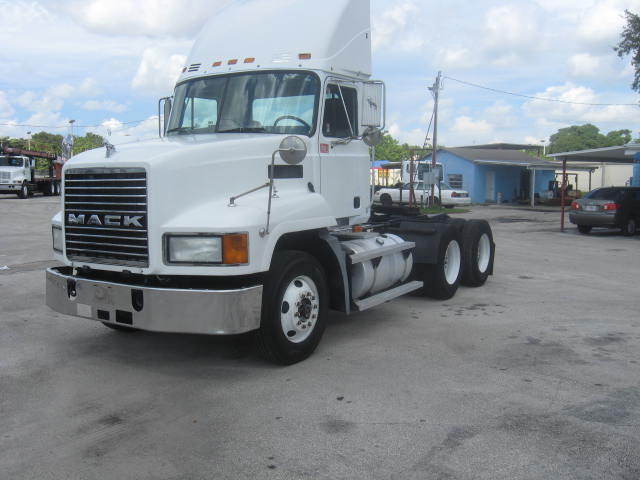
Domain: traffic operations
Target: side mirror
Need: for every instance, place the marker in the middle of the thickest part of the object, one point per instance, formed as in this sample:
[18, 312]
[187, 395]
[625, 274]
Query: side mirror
[373, 108]
[293, 150]
[372, 136]
[166, 112]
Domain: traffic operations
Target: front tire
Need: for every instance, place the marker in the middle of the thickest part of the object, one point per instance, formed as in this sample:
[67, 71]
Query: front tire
[24, 191]
[294, 308]
[441, 281]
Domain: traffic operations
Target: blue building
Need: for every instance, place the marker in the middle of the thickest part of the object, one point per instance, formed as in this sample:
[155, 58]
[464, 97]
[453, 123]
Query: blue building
[489, 174]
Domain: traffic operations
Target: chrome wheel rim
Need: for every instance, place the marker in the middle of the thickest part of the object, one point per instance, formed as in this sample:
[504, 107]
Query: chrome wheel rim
[484, 253]
[299, 309]
[452, 262]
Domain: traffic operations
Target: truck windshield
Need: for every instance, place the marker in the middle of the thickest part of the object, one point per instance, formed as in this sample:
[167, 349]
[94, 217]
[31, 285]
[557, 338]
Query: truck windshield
[11, 162]
[265, 102]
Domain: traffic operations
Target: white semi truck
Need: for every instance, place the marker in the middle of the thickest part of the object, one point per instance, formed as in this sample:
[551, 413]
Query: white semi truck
[253, 211]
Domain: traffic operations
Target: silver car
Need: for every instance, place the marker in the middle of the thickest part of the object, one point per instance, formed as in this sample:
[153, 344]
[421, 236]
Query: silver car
[609, 207]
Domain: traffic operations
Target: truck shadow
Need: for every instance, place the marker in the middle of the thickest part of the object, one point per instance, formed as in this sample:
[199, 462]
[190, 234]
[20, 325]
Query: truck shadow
[202, 354]
[172, 352]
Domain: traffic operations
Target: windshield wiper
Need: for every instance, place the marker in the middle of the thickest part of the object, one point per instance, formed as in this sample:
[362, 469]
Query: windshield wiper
[180, 130]
[244, 130]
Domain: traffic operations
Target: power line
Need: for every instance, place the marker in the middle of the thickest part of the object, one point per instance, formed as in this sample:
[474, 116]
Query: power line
[545, 99]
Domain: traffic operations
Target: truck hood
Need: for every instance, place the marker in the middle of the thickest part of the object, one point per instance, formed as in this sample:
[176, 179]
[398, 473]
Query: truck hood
[191, 179]
[223, 147]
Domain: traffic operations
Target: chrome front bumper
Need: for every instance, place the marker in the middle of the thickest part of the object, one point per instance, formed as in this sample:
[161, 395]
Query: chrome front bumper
[209, 312]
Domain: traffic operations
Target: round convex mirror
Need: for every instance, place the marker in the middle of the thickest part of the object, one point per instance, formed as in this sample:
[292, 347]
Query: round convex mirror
[293, 150]
[372, 136]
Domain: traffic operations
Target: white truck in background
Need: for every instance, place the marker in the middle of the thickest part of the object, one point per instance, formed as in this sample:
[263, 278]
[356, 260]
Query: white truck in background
[253, 211]
[20, 173]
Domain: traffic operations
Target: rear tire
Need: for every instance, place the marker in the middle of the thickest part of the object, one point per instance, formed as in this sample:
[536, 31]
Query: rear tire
[120, 328]
[630, 227]
[441, 281]
[584, 229]
[386, 201]
[294, 308]
[478, 253]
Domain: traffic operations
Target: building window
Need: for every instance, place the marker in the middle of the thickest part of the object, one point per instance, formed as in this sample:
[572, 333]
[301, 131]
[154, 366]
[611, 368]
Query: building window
[455, 180]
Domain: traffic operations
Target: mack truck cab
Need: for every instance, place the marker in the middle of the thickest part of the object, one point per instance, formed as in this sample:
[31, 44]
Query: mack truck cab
[252, 211]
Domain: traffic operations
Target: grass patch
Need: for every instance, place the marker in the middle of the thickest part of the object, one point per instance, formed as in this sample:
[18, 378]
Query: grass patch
[448, 211]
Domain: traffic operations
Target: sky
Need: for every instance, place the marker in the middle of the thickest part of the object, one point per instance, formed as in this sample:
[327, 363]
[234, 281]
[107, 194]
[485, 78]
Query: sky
[105, 63]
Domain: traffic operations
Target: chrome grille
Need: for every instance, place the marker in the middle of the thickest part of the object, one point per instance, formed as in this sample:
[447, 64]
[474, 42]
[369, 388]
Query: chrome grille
[106, 216]
[5, 176]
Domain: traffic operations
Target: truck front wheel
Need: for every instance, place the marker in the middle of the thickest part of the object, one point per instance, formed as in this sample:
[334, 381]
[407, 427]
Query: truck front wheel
[24, 191]
[294, 308]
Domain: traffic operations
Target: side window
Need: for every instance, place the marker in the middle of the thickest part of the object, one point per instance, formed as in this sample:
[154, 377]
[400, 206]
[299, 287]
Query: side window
[336, 123]
[455, 180]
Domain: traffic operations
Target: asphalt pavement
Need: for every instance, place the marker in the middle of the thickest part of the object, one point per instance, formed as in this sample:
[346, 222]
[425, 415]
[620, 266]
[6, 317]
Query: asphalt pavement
[534, 376]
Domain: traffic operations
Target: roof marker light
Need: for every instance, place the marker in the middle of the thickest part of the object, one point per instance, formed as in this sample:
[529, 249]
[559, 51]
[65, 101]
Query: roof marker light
[232, 62]
[216, 64]
[304, 56]
[249, 60]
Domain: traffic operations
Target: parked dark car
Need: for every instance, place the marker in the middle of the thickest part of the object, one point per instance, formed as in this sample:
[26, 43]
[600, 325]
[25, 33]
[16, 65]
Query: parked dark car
[609, 207]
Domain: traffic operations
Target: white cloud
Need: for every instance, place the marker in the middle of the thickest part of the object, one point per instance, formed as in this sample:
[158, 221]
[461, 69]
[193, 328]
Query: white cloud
[46, 102]
[104, 105]
[158, 71]
[469, 125]
[584, 65]
[458, 58]
[145, 17]
[6, 110]
[602, 24]
[552, 114]
[118, 133]
[512, 29]
[391, 27]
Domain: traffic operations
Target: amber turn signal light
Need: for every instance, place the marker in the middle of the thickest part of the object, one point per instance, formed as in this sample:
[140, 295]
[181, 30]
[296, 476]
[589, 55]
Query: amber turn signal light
[235, 249]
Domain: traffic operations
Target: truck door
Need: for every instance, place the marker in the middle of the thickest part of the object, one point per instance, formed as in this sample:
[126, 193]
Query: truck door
[345, 165]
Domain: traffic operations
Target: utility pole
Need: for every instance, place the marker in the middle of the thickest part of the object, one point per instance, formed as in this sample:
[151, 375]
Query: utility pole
[29, 140]
[435, 90]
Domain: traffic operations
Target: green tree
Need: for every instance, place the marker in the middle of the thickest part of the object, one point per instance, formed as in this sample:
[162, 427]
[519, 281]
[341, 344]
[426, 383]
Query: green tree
[391, 150]
[585, 137]
[630, 45]
[88, 142]
[618, 137]
[52, 143]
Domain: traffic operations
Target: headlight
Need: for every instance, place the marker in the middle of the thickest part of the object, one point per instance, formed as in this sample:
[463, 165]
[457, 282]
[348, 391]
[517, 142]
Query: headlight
[194, 249]
[56, 232]
[204, 249]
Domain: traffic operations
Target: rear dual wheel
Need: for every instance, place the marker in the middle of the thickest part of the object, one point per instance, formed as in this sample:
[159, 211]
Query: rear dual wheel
[441, 280]
[478, 252]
